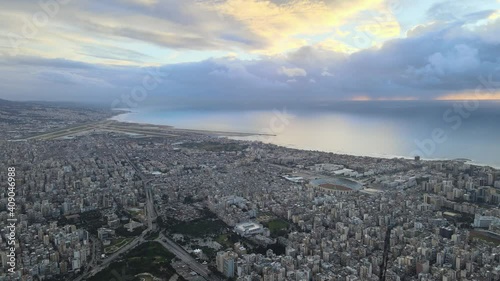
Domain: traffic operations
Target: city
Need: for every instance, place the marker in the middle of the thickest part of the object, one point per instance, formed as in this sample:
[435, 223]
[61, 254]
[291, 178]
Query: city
[250, 140]
[210, 208]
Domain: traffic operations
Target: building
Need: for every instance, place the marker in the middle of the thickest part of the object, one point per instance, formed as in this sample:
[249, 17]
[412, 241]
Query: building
[248, 229]
[226, 262]
[485, 221]
[105, 233]
[294, 179]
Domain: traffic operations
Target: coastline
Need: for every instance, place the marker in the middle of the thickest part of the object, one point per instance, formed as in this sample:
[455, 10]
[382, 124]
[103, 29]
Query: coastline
[174, 128]
[241, 136]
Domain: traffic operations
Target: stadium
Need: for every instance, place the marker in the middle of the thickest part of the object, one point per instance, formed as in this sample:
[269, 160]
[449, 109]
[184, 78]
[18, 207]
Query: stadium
[340, 185]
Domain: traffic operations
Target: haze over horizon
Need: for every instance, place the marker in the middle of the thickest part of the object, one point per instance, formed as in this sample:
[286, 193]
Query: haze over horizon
[235, 52]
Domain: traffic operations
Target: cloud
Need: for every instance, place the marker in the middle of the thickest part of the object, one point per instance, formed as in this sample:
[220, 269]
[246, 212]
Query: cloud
[435, 60]
[325, 72]
[476, 95]
[132, 25]
[279, 24]
[293, 71]
[460, 10]
[381, 23]
[460, 59]
[336, 46]
[73, 78]
[256, 26]
[143, 2]
[422, 29]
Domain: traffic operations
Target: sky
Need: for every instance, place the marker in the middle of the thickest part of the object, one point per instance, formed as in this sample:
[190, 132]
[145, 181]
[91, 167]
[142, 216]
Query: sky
[226, 52]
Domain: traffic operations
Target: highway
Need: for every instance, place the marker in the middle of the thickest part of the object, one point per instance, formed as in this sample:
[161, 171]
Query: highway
[107, 261]
[179, 252]
[151, 216]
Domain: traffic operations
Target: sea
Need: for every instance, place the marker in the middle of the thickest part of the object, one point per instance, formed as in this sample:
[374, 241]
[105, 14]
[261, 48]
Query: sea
[434, 130]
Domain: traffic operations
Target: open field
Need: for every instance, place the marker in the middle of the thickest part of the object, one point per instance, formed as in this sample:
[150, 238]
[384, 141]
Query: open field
[199, 228]
[485, 236]
[64, 132]
[278, 227]
[116, 245]
[334, 187]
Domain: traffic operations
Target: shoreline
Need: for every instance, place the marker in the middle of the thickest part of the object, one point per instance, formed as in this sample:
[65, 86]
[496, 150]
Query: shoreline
[216, 132]
[381, 156]
[234, 135]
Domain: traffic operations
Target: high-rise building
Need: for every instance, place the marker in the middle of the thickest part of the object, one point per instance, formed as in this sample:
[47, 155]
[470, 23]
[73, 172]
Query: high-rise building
[491, 179]
[226, 262]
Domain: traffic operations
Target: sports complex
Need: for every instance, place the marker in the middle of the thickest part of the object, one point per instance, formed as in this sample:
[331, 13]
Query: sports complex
[341, 185]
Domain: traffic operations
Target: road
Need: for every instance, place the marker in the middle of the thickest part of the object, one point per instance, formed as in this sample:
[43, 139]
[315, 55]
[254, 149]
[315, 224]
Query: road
[151, 216]
[93, 259]
[179, 252]
[150, 209]
[107, 261]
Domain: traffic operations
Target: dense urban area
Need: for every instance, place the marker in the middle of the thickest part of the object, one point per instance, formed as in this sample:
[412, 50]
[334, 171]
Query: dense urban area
[103, 200]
